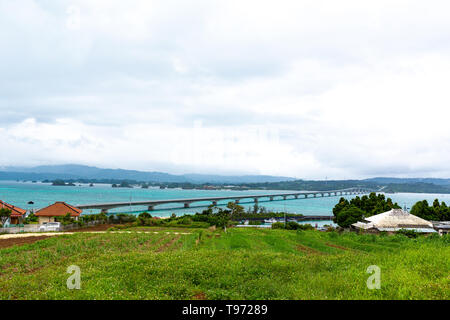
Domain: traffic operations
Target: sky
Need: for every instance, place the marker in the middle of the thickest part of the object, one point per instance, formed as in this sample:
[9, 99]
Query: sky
[307, 89]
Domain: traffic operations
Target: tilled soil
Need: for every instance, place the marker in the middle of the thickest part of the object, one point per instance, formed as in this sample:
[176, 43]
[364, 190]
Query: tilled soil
[5, 243]
[100, 227]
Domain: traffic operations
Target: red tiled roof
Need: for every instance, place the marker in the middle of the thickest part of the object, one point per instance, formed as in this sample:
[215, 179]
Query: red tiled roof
[15, 211]
[59, 209]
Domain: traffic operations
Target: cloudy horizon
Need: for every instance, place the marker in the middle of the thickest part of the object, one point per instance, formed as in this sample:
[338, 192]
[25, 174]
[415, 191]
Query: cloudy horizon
[305, 89]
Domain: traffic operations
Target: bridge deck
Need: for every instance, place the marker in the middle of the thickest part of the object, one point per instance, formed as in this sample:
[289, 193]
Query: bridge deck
[187, 201]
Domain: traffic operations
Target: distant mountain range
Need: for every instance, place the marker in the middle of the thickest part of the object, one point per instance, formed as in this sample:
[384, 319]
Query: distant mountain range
[74, 172]
[80, 173]
[382, 180]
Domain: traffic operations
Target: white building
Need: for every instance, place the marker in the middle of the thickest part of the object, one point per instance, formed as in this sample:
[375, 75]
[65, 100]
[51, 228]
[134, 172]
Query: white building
[394, 220]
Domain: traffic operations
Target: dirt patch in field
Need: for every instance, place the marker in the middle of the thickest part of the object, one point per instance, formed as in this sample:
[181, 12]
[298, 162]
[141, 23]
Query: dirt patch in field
[307, 250]
[5, 243]
[152, 245]
[100, 227]
[335, 246]
[168, 244]
[200, 296]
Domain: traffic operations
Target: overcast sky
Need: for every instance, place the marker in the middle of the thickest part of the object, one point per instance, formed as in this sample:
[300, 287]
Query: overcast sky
[309, 89]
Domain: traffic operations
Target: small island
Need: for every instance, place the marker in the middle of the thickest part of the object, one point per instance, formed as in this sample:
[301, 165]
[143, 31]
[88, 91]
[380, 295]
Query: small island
[123, 184]
[62, 183]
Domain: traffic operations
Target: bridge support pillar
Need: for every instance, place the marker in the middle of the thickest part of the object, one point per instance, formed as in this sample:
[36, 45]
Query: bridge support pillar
[315, 195]
[284, 197]
[105, 211]
[151, 208]
[271, 198]
[186, 204]
[236, 201]
[256, 200]
[214, 203]
[296, 196]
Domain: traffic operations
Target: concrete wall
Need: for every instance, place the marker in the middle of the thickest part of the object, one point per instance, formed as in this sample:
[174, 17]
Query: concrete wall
[26, 228]
[35, 227]
[46, 219]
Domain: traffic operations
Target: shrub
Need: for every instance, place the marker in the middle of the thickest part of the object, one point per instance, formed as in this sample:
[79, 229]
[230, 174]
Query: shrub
[31, 218]
[150, 222]
[305, 226]
[408, 233]
[118, 227]
[186, 221]
[145, 215]
[278, 225]
[122, 218]
[292, 225]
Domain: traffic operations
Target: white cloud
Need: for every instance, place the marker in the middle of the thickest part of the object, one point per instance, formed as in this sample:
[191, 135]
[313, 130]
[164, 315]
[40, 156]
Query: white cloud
[300, 88]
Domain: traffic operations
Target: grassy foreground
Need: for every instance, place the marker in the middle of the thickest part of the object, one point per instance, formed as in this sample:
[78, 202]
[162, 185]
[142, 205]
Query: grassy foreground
[241, 264]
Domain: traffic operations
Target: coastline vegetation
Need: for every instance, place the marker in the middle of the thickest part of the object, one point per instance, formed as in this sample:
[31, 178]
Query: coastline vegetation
[233, 214]
[387, 185]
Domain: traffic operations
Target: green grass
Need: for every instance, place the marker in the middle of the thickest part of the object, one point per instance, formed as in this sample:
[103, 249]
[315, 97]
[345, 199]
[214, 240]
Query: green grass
[239, 264]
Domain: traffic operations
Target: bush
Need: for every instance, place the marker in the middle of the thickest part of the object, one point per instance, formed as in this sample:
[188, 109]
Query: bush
[31, 218]
[278, 225]
[408, 233]
[186, 221]
[122, 218]
[305, 226]
[149, 222]
[118, 227]
[145, 215]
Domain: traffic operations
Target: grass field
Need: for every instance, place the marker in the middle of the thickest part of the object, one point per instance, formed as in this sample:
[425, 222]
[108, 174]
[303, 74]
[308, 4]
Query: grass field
[241, 264]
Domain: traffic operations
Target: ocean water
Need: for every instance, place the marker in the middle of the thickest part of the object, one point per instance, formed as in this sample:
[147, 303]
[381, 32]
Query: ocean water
[20, 193]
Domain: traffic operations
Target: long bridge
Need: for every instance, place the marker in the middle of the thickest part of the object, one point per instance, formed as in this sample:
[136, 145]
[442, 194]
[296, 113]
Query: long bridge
[151, 204]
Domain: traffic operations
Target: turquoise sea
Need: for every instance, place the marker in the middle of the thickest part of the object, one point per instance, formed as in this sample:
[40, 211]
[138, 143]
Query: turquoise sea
[20, 193]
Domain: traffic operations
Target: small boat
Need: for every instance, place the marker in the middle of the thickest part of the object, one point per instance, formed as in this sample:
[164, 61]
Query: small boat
[270, 220]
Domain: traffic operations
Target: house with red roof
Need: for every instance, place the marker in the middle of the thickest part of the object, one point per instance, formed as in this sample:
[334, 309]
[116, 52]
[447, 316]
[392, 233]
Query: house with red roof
[17, 214]
[58, 209]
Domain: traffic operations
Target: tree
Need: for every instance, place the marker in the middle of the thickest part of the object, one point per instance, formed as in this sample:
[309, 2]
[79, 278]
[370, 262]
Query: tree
[223, 218]
[31, 218]
[436, 212]
[348, 216]
[5, 214]
[236, 210]
[370, 205]
[342, 204]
